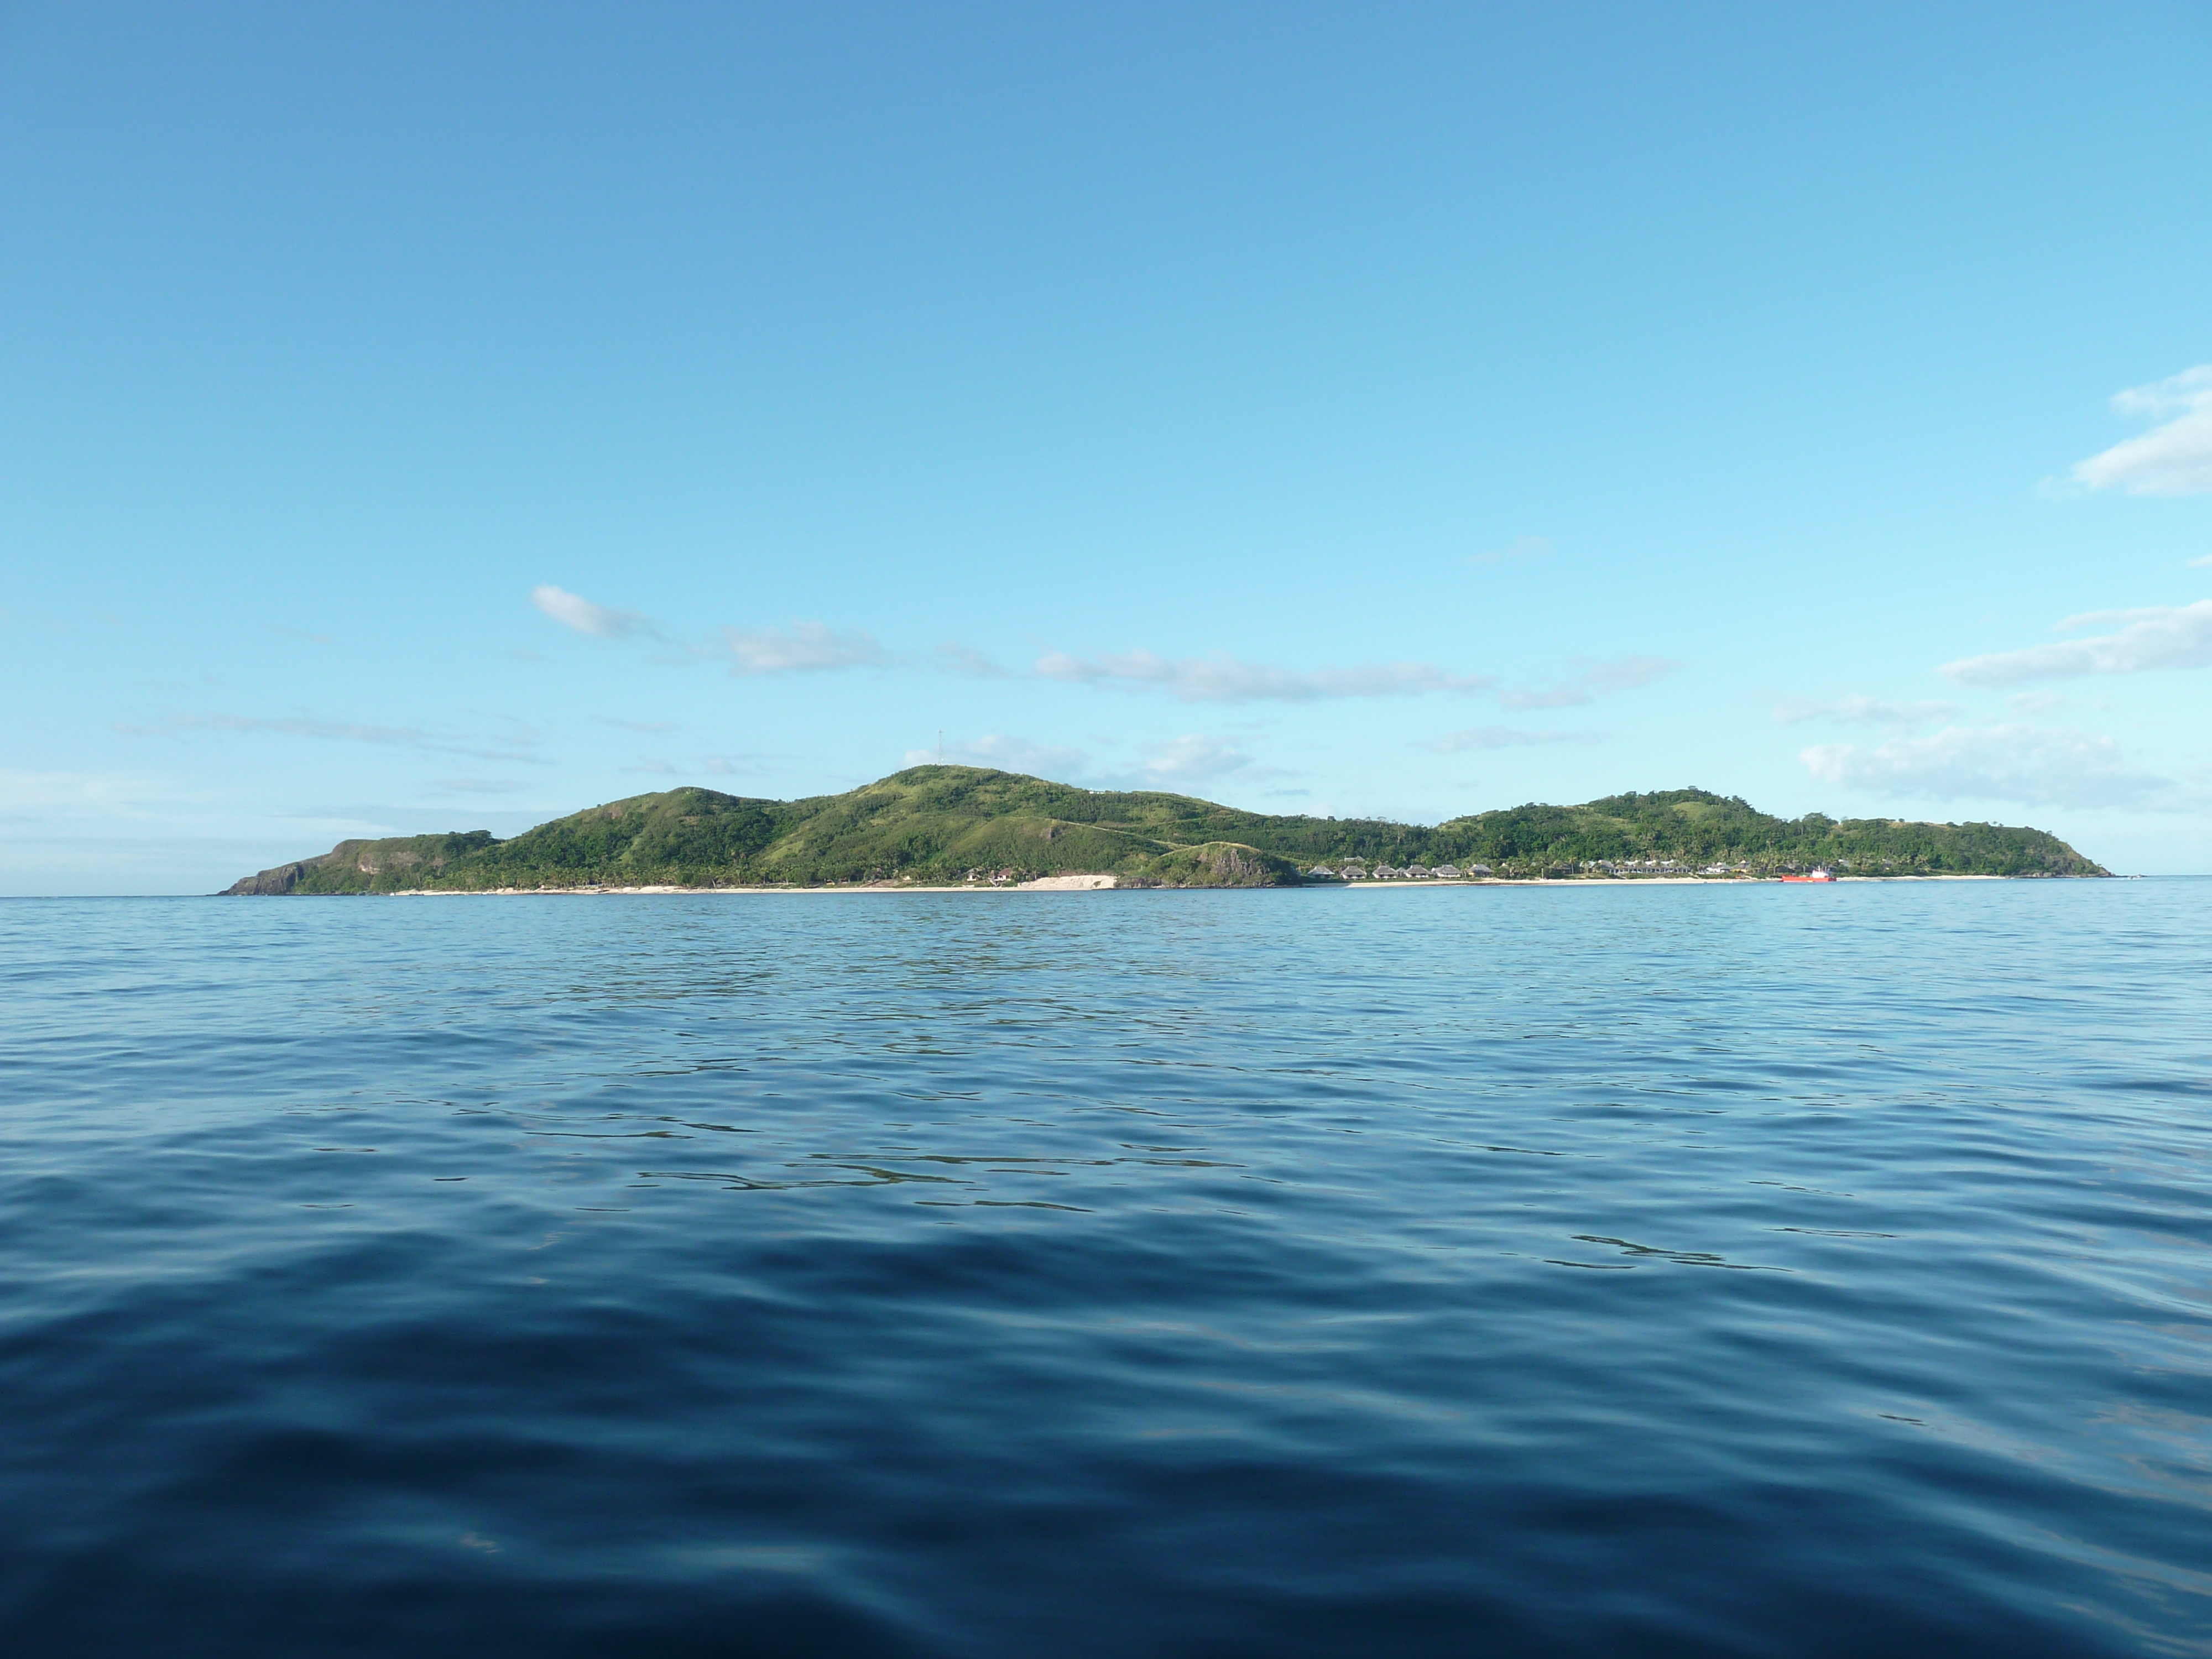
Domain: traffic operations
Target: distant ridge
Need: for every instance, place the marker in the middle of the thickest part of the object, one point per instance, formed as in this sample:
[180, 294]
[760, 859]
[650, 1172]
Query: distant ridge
[932, 825]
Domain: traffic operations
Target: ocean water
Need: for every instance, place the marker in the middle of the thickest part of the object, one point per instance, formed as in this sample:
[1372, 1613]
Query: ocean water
[1753, 1270]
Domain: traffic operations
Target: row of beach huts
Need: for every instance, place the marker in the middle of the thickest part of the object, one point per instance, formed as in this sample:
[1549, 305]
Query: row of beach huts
[1360, 870]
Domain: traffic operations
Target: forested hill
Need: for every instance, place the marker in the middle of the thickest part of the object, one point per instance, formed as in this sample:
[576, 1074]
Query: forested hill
[1694, 827]
[933, 825]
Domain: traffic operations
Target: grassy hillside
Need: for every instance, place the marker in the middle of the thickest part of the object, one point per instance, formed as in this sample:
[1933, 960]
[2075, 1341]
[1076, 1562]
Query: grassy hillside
[938, 824]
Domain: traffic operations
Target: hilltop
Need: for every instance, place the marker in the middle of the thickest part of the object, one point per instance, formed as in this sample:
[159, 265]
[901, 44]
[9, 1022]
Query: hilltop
[948, 824]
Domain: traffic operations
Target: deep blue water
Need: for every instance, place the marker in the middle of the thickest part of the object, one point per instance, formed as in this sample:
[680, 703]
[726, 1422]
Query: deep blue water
[1648, 1271]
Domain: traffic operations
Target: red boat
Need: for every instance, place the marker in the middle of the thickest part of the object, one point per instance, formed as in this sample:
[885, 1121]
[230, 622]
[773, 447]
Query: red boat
[1817, 875]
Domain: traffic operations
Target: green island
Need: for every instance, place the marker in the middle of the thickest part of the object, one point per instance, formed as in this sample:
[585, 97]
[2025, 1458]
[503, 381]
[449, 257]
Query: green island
[962, 825]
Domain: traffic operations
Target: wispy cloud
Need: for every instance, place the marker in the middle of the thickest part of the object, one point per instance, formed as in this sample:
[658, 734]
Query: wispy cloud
[1864, 711]
[659, 768]
[814, 647]
[1190, 762]
[2156, 636]
[2198, 564]
[2174, 458]
[1627, 673]
[574, 610]
[518, 743]
[1007, 754]
[634, 726]
[804, 648]
[31, 796]
[1504, 737]
[1178, 764]
[1226, 679]
[340, 731]
[1524, 547]
[1193, 759]
[1623, 674]
[2035, 766]
[479, 786]
[956, 659]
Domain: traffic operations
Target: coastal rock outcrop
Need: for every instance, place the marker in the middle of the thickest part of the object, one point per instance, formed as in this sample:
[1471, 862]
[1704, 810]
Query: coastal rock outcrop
[282, 879]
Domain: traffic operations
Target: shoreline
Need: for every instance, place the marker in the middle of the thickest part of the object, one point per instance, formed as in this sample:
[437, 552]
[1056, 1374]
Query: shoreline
[1668, 881]
[1093, 884]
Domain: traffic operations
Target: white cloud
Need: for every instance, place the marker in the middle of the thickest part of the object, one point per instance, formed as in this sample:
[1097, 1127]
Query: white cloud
[574, 610]
[2172, 460]
[1224, 680]
[1504, 737]
[2157, 636]
[2199, 564]
[1006, 754]
[1524, 547]
[803, 647]
[2037, 766]
[1864, 711]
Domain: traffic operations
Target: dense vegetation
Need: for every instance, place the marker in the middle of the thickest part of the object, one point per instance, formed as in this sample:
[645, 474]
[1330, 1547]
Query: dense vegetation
[1697, 828]
[949, 823]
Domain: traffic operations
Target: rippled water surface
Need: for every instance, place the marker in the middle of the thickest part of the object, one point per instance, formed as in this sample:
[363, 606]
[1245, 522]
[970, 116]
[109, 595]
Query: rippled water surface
[1647, 1271]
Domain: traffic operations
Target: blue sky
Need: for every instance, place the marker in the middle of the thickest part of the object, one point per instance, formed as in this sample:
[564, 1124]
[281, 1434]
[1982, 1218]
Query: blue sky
[423, 417]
